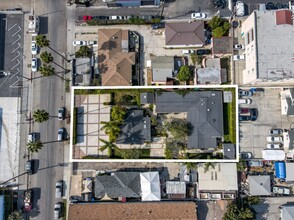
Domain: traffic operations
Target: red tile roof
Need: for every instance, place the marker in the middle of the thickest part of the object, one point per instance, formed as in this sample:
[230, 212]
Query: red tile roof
[134, 211]
[284, 17]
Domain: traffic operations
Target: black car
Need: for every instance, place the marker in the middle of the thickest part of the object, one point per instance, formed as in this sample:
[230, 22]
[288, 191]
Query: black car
[219, 3]
[253, 114]
[270, 6]
[244, 117]
[158, 25]
[203, 51]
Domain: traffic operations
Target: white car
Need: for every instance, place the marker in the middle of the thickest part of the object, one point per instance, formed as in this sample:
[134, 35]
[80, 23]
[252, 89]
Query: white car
[244, 101]
[34, 48]
[273, 146]
[59, 189]
[274, 139]
[34, 64]
[240, 9]
[198, 15]
[79, 43]
[61, 113]
[239, 57]
[92, 43]
[239, 47]
[57, 211]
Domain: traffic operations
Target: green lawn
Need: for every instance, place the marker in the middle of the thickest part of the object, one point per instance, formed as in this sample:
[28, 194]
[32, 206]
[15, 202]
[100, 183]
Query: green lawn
[230, 119]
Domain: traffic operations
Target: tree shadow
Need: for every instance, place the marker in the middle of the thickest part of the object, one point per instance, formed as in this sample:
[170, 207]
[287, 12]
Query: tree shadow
[109, 45]
[102, 68]
[101, 58]
[261, 209]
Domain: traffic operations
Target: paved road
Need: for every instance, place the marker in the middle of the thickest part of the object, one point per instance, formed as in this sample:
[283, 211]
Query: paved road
[48, 94]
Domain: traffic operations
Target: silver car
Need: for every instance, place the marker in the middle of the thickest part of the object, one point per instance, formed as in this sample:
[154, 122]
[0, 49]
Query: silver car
[60, 134]
[57, 211]
[61, 113]
[59, 189]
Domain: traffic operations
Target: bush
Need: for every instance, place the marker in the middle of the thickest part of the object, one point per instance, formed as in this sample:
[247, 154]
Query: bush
[74, 132]
[220, 27]
[184, 74]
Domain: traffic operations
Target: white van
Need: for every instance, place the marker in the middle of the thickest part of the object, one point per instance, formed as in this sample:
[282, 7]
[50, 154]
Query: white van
[244, 101]
[240, 9]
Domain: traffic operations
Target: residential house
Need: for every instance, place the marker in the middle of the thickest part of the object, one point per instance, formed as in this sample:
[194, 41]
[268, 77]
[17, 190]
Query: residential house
[146, 98]
[221, 46]
[176, 189]
[204, 112]
[162, 68]
[184, 34]
[268, 46]
[135, 211]
[116, 63]
[260, 185]
[289, 172]
[218, 182]
[287, 211]
[136, 128]
[128, 185]
[211, 73]
[287, 101]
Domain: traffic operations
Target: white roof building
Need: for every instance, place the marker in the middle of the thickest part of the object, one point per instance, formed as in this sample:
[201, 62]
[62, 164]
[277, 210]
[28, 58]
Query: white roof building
[150, 186]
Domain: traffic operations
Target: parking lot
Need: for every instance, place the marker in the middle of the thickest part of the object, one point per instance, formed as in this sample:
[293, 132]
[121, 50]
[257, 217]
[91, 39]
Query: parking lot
[253, 133]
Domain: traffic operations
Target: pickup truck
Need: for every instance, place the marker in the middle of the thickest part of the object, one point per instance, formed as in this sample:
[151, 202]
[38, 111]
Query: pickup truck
[281, 190]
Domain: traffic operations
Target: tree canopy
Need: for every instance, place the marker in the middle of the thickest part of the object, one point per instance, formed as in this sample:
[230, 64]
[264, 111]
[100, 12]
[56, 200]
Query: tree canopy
[40, 115]
[184, 74]
[46, 57]
[47, 70]
[35, 146]
[219, 26]
[84, 51]
[179, 128]
[42, 41]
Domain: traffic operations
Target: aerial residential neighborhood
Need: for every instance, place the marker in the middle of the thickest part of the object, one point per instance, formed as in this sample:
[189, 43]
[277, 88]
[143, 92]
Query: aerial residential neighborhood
[146, 109]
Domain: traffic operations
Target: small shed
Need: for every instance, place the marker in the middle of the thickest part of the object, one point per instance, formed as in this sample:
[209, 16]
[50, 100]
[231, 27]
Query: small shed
[280, 169]
[147, 98]
[176, 189]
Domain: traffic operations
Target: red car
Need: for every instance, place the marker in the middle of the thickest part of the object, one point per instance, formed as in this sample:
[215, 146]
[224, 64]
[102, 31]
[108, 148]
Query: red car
[87, 18]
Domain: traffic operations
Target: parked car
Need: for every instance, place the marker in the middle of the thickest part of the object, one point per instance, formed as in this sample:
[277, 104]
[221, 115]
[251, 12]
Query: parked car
[30, 167]
[271, 6]
[246, 155]
[219, 3]
[239, 57]
[255, 163]
[253, 114]
[276, 131]
[281, 190]
[244, 101]
[87, 18]
[203, 51]
[32, 137]
[244, 111]
[59, 189]
[34, 48]
[92, 43]
[244, 118]
[274, 146]
[198, 15]
[245, 93]
[34, 65]
[79, 43]
[240, 9]
[61, 113]
[157, 26]
[60, 133]
[57, 210]
[187, 51]
[274, 139]
[74, 199]
[239, 47]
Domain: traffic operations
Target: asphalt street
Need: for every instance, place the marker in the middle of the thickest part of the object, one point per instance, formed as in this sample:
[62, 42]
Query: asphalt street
[48, 94]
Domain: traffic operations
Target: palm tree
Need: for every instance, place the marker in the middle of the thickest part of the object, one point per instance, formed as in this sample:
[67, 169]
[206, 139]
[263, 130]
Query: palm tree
[42, 41]
[34, 146]
[110, 127]
[109, 145]
[47, 70]
[207, 166]
[190, 166]
[46, 57]
[40, 115]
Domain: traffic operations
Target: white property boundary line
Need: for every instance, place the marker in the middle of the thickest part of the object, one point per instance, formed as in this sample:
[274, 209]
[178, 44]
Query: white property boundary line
[153, 87]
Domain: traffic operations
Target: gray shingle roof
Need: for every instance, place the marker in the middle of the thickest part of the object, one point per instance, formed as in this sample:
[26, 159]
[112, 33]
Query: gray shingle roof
[260, 185]
[229, 151]
[118, 184]
[146, 98]
[136, 128]
[204, 112]
[287, 212]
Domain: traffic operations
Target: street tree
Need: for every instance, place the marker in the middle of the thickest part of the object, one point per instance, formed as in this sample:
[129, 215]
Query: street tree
[46, 57]
[109, 145]
[40, 115]
[47, 70]
[184, 74]
[84, 51]
[34, 146]
[42, 41]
